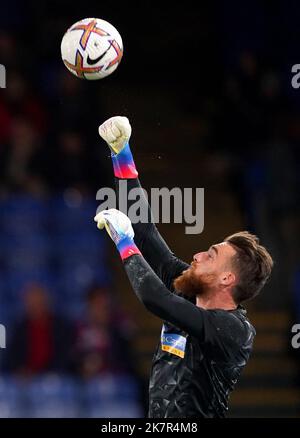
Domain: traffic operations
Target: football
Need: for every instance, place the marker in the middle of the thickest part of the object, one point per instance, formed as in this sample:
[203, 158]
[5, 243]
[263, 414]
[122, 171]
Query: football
[92, 49]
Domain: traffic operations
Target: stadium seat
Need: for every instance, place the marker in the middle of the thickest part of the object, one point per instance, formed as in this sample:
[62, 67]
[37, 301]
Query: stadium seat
[28, 253]
[12, 403]
[53, 397]
[111, 396]
[23, 214]
[73, 283]
[114, 409]
[69, 215]
[50, 396]
[80, 247]
[52, 242]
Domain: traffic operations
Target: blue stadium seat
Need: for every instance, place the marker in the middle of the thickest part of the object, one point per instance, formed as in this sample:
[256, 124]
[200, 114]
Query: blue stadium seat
[109, 387]
[82, 247]
[17, 280]
[112, 396]
[8, 311]
[53, 397]
[29, 253]
[23, 214]
[55, 243]
[70, 216]
[74, 282]
[12, 403]
[114, 409]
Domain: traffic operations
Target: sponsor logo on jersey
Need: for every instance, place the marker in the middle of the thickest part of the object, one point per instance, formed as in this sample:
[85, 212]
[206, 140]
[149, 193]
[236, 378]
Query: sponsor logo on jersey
[173, 343]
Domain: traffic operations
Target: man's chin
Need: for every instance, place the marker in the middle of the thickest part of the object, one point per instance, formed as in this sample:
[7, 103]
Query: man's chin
[187, 284]
[192, 285]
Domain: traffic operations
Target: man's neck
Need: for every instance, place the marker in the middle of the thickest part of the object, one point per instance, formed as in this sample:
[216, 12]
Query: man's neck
[215, 302]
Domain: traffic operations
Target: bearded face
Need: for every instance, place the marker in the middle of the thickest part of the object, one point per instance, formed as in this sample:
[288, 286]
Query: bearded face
[209, 270]
[192, 283]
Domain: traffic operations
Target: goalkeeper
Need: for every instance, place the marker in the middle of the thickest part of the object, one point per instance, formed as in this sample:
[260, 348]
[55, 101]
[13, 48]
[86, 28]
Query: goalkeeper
[206, 338]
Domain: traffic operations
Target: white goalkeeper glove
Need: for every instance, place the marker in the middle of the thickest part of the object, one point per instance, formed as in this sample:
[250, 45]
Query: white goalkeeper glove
[116, 131]
[119, 228]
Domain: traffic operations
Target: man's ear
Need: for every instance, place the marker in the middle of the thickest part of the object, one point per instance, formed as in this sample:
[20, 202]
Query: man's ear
[227, 278]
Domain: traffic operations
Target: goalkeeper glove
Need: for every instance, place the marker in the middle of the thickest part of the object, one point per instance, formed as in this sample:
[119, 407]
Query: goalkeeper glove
[119, 228]
[116, 131]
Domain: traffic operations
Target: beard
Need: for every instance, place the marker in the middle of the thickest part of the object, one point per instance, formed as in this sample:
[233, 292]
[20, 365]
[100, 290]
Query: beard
[191, 284]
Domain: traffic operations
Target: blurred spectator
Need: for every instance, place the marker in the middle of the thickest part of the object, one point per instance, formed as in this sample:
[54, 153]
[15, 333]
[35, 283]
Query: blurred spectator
[103, 339]
[72, 110]
[20, 101]
[23, 161]
[74, 165]
[41, 340]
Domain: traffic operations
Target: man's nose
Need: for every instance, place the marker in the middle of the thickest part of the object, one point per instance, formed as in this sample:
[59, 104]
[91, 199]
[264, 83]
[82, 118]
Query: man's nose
[196, 257]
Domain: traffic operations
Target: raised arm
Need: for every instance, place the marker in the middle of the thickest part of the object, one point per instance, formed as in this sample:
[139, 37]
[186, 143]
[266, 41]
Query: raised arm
[116, 131]
[216, 329]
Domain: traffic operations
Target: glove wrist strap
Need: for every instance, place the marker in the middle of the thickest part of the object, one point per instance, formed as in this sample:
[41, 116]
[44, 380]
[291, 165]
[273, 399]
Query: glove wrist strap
[123, 164]
[127, 248]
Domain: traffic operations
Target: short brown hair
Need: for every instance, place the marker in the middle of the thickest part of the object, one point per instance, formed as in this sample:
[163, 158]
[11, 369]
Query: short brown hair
[252, 264]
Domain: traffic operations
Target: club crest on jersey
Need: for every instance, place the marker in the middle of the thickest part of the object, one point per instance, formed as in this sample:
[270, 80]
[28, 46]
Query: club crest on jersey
[173, 343]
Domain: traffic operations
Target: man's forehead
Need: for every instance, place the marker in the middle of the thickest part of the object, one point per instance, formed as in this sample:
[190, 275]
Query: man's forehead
[224, 246]
[221, 244]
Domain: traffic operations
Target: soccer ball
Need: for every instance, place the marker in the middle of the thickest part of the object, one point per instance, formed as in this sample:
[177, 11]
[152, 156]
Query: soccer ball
[92, 49]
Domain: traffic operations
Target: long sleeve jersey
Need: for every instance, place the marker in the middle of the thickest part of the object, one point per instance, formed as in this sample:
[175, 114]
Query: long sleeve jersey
[200, 353]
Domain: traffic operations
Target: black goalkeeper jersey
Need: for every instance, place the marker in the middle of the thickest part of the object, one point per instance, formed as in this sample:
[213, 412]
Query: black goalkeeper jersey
[200, 353]
[190, 380]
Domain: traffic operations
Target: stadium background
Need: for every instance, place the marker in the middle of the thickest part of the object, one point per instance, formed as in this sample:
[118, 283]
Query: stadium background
[208, 92]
